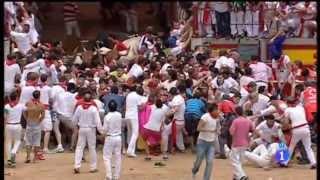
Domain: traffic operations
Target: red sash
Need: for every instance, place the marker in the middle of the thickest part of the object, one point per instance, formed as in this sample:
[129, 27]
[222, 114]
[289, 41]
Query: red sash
[174, 132]
[207, 15]
[10, 62]
[48, 63]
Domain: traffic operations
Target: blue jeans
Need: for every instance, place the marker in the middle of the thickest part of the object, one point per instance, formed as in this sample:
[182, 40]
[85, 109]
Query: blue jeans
[204, 149]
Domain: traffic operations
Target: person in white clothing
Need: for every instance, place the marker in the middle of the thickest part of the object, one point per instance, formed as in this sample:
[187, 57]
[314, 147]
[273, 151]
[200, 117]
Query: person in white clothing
[237, 19]
[13, 127]
[46, 123]
[65, 110]
[23, 39]
[256, 102]
[252, 19]
[112, 146]
[177, 108]
[283, 70]
[246, 78]
[137, 69]
[88, 121]
[11, 70]
[27, 90]
[224, 61]
[296, 117]
[261, 72]
[133, 100]
[208, 127]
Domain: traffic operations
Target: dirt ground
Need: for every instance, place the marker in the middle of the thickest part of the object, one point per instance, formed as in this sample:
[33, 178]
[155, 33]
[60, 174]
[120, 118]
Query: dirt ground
[178, 167]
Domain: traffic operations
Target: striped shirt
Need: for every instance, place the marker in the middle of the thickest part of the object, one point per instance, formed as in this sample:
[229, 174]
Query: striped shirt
[70, 12]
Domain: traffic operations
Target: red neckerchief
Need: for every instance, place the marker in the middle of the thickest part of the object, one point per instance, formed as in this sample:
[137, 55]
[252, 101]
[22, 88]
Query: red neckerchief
[120, 46]
[63, 85]
[31, 83]
[13, 103]
[10, 62]
[48, 63]
[86, 105]
[78, 98]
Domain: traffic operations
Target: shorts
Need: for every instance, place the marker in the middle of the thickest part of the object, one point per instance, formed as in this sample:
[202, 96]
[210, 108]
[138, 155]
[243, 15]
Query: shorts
[192, 121]
[46, 123]
[33, 135]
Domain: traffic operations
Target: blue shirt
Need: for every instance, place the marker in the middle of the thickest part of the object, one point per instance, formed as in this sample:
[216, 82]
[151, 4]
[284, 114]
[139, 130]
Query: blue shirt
[120, 100]
[195, 106]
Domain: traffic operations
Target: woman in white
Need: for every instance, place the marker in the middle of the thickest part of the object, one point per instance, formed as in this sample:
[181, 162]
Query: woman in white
[155, 125]
[112, 145]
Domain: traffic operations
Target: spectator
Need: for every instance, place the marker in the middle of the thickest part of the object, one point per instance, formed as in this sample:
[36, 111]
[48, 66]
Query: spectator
[71, 14]
[223, 19]
[237, 18]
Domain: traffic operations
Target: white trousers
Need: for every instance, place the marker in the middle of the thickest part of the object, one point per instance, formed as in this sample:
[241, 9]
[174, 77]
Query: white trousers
[72, 26]
[252, 23]
[112, 146]
[166, 132]
[236, 157]
[86, 135]
[236, 21]
[13, 138]
[259, 155]
[133, 133]
[303, 134]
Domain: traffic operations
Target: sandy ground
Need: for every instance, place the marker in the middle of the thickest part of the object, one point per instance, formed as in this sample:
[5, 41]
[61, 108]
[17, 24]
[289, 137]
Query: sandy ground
[178, 167]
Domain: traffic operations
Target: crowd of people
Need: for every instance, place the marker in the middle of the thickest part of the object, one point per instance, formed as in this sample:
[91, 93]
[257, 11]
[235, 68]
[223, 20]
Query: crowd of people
[168, 98]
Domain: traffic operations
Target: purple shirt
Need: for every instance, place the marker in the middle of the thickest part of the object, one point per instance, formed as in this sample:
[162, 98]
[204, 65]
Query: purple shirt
[239, 130]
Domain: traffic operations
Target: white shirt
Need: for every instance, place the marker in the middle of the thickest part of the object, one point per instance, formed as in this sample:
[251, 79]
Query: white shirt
[223, 61]
[100, 105]
[136, 71]
[14, 113]
[55, 91]
[133, 100]
[23, 41]
[266, 133]
[67, 102]
[261, 104]
[87, 118]
[245, 80]
[45, 94]
[178, 101]
[41, 67]
[224, 88]
[112, 124]
[164, 68]
[261, 71]
[220, 6]
[297, 115]
[9, 74]
[210, 124]
[234, 83]
[26, 94]
[157, 116]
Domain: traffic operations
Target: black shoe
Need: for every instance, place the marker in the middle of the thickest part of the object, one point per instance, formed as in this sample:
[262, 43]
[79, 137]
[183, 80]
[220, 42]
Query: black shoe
[313, 166]
[221, 156]
[76, 170]
[244, 178]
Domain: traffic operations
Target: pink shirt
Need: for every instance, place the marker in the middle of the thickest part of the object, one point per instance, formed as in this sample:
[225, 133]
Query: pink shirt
[239, 130]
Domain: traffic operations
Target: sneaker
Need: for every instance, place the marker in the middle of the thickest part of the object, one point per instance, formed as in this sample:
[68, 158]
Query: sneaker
[131, 155]
[59, 149]
[209, 36]
[221, 156]
[313, 166]
[227, 150]
[165, 157]
[244, 178]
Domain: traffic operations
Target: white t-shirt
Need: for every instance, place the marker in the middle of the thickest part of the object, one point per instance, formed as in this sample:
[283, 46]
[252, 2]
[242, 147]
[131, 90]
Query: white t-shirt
[23, 41]
[224, 88]
[297, 115]
[157, 116]
[26, 94]
[223, 61]
[136, 71]
[67, 102]
[55, 91]
[178, 101]
[45, 94]
[266, 132]
[220, 6]
[9, 74]
[14, 113]
[210, 124]
[133, 100]
[164, 68]
[87, 118]
[112, 124]
[245, 80]
[261, 71]
[262, 104]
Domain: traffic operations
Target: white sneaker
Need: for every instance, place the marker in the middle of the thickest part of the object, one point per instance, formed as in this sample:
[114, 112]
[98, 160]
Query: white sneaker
[227, 150]
[131, 155]
[59, 149]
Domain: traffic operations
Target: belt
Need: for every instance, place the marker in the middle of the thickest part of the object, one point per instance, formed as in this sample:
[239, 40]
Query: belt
[301, 125]
[13, 123]
[111, 135]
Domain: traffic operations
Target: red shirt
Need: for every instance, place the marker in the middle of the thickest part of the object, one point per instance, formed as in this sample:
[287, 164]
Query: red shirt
[226, 106]
[120, 46]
